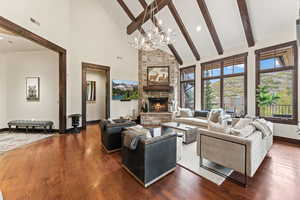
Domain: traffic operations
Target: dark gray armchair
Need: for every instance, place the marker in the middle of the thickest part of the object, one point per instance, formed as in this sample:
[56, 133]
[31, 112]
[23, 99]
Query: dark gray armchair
[153, 158]
[111, 134]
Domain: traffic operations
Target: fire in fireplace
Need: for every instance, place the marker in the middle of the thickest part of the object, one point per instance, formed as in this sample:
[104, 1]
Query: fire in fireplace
[158, 104]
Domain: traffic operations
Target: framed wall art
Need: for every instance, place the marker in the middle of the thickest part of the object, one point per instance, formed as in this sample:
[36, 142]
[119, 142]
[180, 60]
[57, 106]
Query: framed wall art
[125, 90]
[33, 88]
[91, 91]
[158, 75]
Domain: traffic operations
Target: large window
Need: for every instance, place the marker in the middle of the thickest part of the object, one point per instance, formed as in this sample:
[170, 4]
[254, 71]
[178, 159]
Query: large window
[223, 84]
[187, 87]
[276, 83]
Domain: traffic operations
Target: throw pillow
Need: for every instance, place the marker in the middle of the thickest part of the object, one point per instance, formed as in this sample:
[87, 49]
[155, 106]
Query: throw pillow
[251, 117]
[244, 132]
[141, 130]
[242, 123]
[201, 113]
[185, 112]
[215, 116]
[262, 126]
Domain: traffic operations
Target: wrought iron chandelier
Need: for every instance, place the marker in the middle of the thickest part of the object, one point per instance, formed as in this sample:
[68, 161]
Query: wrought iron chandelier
[155, 37]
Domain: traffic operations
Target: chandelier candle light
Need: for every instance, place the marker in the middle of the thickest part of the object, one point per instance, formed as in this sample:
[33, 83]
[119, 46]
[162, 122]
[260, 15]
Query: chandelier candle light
[155, 37]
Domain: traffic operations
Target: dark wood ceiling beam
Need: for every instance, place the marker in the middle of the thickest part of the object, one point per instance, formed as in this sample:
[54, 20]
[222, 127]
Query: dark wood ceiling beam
[246, 22]
[154, 20]
[129, 14]
[175, 53]
[210, 26]
[171, 46]
[146, 14]
[126, 9]
[183, 30]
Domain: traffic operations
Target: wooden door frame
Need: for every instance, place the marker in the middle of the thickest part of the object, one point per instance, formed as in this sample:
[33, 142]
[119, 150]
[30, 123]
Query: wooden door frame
[14, 28]
[85, 68]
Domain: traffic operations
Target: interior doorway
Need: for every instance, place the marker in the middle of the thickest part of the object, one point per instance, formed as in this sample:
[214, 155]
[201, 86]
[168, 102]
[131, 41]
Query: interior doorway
[86, 68]
[62, 54]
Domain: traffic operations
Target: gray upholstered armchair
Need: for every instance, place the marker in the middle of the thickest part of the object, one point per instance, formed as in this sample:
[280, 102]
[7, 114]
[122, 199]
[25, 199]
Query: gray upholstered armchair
[111, 134]
[153, 158]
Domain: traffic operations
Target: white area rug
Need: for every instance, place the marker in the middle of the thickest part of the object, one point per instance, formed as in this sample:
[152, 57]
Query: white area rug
[190, 160]
[10, 141]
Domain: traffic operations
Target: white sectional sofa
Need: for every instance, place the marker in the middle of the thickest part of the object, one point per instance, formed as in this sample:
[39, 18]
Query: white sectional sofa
[244, 155]
[200, 122]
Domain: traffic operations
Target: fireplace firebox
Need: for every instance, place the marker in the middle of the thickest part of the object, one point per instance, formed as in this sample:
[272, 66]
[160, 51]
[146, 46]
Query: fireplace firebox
[158, 104]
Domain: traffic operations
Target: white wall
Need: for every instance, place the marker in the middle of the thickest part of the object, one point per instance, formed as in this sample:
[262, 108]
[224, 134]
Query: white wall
[282, 130]
[54, 17]
[96, 38]
[89, 32]
[96, 110]
[43, 64]
[2, 92]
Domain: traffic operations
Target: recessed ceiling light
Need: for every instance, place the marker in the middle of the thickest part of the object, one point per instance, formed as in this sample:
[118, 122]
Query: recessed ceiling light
[199, 28]
[1, 38]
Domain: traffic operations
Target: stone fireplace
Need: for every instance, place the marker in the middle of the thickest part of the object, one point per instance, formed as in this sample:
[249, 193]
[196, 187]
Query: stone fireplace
[158, 98]
[158, 104]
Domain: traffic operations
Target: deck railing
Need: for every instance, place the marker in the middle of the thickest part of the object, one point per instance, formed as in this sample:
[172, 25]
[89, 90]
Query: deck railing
[277, 110]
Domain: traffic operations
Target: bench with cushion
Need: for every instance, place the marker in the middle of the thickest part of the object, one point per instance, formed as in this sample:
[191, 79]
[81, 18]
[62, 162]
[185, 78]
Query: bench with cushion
[30, 123]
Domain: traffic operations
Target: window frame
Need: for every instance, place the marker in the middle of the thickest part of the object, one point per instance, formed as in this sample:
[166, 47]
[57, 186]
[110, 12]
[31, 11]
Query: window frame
[181, 82]
[258, 71]
[223, 76]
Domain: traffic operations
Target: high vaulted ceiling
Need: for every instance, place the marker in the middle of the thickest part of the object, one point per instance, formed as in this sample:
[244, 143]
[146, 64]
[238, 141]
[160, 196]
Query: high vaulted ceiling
[10, 42]
[268, 19]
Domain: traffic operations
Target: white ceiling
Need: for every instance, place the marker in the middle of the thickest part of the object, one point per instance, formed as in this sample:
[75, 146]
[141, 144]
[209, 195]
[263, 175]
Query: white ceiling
[13, 43]
[269, 19]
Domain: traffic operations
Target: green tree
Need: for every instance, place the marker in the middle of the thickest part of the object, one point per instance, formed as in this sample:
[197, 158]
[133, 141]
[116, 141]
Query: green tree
[208, 95]
[265, 98]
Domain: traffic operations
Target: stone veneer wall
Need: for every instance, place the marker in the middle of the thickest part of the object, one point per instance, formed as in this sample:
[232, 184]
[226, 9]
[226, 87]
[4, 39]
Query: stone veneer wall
[158, 58]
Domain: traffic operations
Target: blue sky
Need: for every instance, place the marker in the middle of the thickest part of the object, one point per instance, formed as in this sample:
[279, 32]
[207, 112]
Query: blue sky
[268, 63]
[229, 70]
[125, 81]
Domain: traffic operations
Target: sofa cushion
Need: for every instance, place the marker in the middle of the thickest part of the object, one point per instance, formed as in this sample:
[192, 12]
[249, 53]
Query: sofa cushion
[201, 113]
[185, 112]
[242, 123]
[215, 116]
[244, 132]
[217, 128]
[251, 117]
[192, 121]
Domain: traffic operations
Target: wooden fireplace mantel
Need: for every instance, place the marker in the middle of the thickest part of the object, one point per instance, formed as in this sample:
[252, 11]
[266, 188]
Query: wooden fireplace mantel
[158, 88]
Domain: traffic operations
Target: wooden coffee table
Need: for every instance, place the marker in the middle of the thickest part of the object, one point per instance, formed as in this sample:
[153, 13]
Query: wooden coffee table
[189, 132]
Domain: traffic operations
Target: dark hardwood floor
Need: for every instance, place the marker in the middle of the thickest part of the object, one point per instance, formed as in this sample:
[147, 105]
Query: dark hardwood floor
[75, 167]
